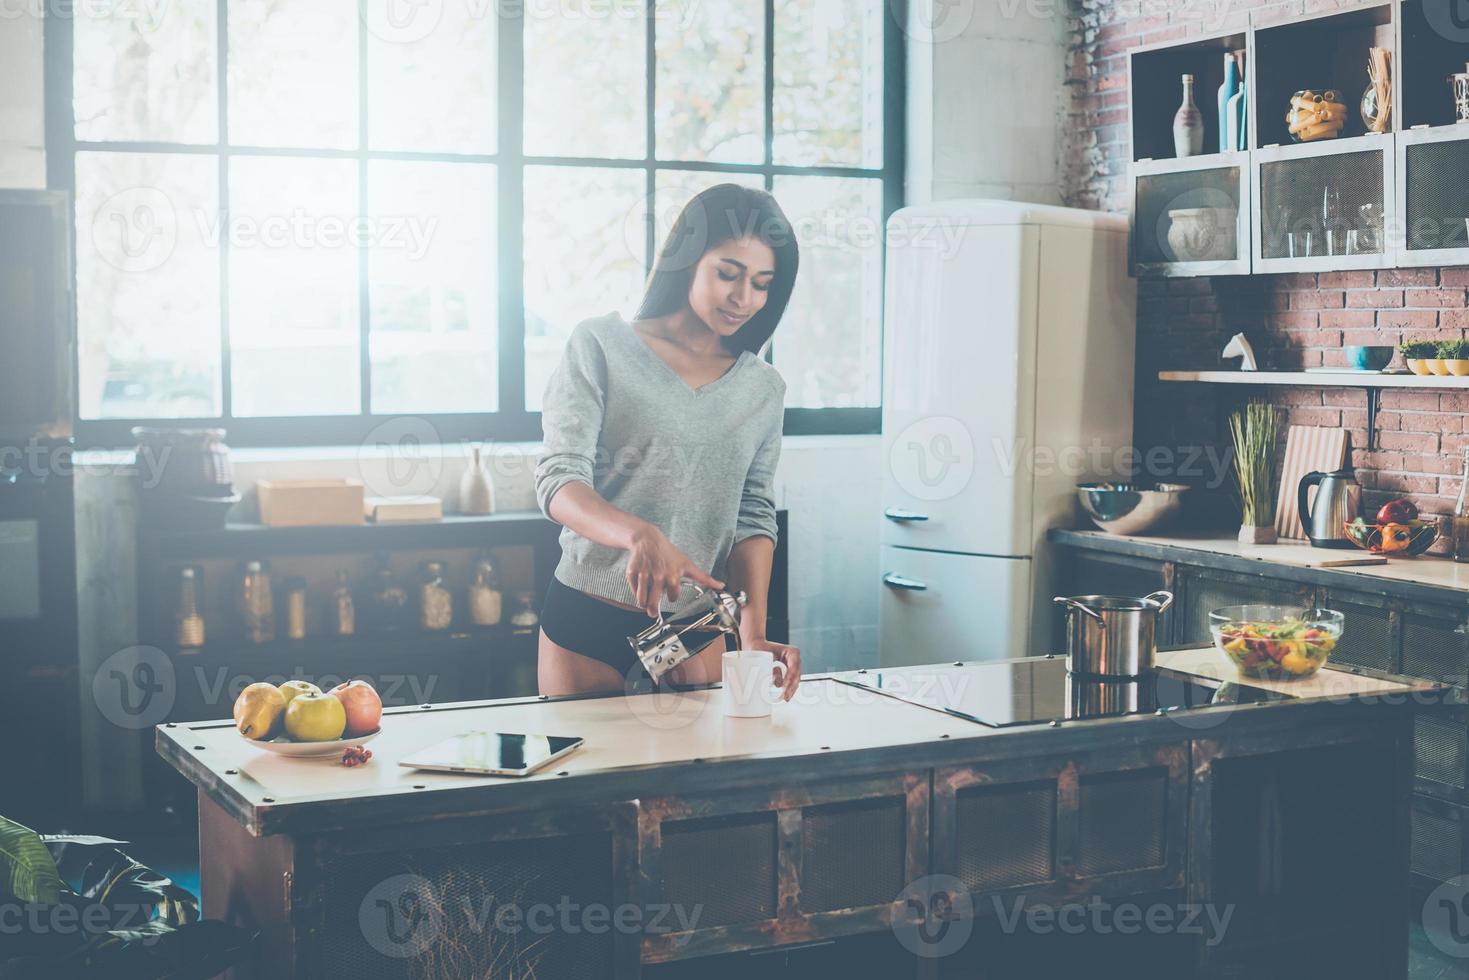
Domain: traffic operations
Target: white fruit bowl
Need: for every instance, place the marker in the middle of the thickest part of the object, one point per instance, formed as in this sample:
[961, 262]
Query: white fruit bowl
[306, 750]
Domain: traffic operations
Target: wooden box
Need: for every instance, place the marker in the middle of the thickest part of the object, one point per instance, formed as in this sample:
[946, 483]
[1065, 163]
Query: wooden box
[310, 503]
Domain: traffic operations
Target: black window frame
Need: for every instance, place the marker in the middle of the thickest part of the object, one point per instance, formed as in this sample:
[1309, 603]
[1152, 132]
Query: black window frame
[512, 422]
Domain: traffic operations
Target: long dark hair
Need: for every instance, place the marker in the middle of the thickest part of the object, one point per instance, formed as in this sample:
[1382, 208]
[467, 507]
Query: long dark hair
[712, 217]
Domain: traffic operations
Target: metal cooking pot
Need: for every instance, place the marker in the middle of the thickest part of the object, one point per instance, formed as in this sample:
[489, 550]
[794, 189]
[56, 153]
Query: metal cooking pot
[1112, 636]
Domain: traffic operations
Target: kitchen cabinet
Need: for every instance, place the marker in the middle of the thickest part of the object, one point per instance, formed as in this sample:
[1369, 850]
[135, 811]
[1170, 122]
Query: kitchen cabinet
[1372, 636]
[1205, 589]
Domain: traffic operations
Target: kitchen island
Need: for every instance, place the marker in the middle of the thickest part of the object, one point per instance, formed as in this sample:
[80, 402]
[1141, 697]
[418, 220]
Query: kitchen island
[911, 805]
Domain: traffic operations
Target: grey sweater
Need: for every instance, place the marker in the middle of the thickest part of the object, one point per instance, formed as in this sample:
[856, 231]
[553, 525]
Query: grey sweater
[698, 464]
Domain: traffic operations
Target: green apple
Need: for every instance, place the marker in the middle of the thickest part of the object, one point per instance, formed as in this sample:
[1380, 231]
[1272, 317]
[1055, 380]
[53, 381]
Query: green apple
[294, 689]
[315, 717]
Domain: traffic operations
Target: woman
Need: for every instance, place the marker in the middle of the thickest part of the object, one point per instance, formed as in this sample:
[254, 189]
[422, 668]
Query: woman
[661, 441]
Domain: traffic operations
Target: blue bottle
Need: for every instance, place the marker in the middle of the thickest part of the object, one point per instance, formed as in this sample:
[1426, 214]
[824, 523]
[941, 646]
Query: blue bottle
[1227, 92]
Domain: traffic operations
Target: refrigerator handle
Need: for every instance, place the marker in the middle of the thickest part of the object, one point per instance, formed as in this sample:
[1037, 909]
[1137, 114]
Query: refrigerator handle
[903, 516]
[900, 582]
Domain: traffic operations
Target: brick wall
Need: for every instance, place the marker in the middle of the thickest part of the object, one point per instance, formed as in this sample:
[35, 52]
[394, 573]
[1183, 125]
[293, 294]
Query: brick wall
[1293, 321]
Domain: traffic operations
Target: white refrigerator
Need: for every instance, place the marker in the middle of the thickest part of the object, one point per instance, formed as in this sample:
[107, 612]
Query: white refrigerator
[1007, 380]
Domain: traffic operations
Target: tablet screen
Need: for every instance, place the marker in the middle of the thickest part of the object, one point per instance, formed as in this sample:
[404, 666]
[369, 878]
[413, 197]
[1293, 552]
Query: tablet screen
[491, 752]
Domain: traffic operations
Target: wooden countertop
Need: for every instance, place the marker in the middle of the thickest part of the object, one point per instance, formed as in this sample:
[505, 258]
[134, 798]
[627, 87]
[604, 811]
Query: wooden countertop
[639, 744]
[1433, 573]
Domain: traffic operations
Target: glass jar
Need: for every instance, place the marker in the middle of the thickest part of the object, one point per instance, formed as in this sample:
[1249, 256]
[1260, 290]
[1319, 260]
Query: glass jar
[188, 621]
[486, 601]
[256, 604]
[1316, 114]
[344, 613]
[525, 618]
[387, 601]
[435, 601]
[295, 608]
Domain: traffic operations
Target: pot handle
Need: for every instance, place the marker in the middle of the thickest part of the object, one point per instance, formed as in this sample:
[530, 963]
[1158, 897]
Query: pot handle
[1162, 597]
[1312, 479]
[1080, 607]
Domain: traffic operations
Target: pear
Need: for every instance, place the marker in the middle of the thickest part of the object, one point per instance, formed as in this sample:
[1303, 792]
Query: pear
[259, 711]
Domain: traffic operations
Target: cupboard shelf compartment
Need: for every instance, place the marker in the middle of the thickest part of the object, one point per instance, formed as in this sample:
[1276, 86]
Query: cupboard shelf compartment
[1433, 196]
[1160, 187]
[1321, 51]
[1433, 43]
[1288, 189]
[1154, 80]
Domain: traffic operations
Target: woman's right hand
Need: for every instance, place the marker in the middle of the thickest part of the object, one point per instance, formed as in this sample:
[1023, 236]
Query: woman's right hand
[656, 568]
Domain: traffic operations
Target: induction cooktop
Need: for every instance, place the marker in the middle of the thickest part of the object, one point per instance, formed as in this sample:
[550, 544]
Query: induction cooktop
[1040, 690]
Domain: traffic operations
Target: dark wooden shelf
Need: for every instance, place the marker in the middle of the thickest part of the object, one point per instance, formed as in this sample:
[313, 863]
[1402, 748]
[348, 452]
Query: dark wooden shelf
[259, 541]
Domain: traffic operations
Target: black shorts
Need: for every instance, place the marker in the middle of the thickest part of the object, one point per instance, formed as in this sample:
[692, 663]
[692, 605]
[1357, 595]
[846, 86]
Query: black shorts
[596, 629]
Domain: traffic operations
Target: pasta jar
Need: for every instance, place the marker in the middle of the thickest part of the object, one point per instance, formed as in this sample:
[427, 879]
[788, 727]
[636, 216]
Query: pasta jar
[1316, 114]
[435, 602]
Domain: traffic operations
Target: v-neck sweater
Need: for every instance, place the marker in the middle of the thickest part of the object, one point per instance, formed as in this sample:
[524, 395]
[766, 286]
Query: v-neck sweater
[699, 464]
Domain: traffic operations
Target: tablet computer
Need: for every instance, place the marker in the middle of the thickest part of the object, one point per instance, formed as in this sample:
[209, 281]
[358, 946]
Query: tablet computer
[492, 753]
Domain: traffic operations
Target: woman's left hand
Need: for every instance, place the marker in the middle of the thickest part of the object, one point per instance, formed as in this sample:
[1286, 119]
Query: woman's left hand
[786, 654]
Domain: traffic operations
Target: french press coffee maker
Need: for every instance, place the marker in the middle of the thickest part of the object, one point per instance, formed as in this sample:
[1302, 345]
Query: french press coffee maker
[660, 646]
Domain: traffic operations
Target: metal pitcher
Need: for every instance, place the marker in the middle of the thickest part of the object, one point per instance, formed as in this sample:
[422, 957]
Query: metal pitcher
[1112, 636]
[1338, 502]
[660, 646]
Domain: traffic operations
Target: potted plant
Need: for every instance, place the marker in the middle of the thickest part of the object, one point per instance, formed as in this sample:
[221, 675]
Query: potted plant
[1417, 354]
[1254, 432]
[1455, 357]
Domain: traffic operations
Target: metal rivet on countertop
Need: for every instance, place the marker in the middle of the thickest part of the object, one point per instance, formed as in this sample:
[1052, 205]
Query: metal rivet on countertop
[267, 799]
[1050, 656]
[563, 772]
[169, 724]
[862, 670]
[232, 772]
[1161, 711]
[1055, 724]
[198, 748]
[958, 663]
[826, 748]
[542, 697]
[944, 735]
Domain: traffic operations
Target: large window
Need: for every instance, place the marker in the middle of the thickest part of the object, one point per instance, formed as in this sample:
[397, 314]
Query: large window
[299, 218]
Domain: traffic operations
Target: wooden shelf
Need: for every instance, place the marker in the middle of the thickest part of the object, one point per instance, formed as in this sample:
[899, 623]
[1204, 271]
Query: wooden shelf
[259, 541]
[1323, 379]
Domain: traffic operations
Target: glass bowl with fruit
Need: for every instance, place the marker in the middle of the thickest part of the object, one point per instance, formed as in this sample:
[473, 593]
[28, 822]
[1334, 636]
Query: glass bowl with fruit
[1276, 642]
[1397, 531]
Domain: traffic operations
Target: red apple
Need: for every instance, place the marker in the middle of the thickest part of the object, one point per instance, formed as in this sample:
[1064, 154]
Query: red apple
[364, 707]
[1397, 512]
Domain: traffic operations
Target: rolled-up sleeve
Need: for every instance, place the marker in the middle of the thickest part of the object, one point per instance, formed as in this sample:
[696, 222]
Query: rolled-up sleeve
[571, 417]
[757, 499]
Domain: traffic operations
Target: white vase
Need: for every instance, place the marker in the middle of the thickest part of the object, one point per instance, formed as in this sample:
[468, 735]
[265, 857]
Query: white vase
[476, 493]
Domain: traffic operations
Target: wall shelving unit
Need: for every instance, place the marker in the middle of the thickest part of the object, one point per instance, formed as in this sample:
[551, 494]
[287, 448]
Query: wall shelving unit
[1401, 192]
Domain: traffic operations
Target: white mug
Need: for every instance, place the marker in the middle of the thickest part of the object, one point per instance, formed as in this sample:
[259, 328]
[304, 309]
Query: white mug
[749, 685]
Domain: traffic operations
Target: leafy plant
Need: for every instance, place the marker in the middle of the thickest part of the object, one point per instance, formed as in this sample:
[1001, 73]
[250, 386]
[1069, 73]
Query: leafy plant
[1453, 350]
[27, 870]
[1418, 350]
[1255, 431]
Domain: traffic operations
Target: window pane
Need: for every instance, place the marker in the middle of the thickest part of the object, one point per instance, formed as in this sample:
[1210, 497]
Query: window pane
[584, 256]
[676, 187]
[585, 79]
[711, 81]
[293, 73]
[828, 83]
[828, 344]
[433, 287]
[431, 76]
[293, 286]
[146, 71]
[147, 285]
